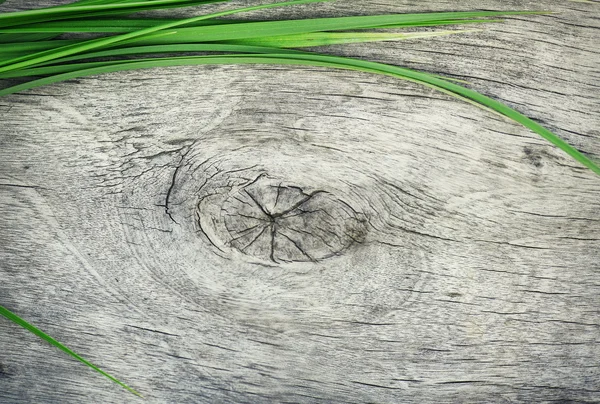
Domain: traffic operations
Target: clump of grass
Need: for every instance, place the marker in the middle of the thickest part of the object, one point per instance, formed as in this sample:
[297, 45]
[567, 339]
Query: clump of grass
[31, 45]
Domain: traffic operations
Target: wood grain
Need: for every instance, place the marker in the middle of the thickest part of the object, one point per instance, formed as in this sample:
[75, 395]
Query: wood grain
[413, 249]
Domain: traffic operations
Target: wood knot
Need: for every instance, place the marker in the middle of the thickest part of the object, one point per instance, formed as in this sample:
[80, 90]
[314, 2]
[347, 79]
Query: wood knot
[278, 222]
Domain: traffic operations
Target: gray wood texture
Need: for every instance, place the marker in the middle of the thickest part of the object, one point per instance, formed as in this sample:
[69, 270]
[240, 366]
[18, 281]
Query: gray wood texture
[303, 235]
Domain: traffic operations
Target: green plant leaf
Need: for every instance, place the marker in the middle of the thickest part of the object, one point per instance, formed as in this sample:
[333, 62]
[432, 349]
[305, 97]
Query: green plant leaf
[130, 24]
[335, 38]
[105, 25]
[34, 330]
[10, 38]
[95, 10]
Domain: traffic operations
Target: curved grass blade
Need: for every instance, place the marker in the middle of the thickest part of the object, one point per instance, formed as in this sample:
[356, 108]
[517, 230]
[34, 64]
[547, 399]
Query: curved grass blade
[10, 38]
[107, 26]
[80, 11]
[428, 80]
[336, 38]
[130, 25]
[36, 46]
[19, 49]
[34, 330]
[92, 2]
[41, 70]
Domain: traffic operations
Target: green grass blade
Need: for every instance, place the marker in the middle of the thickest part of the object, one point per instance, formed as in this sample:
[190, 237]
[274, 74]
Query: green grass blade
[145, 50]
[332, 62]
[438, 23]
[34, 330]
[36, 46]
[130, 25]
[92, 2]
[80, 11]
[104, 26]
[11, 38]
[96, 5]
[336, 38]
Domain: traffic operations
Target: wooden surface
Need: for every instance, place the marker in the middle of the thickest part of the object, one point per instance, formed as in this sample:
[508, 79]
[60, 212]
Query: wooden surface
[420, 250]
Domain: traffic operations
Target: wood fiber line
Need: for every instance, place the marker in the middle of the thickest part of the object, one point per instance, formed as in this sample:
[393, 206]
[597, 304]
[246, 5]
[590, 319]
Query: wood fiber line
[450, 256]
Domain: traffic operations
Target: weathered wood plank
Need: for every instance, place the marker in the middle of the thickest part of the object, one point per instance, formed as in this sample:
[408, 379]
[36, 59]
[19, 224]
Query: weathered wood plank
[456, 253]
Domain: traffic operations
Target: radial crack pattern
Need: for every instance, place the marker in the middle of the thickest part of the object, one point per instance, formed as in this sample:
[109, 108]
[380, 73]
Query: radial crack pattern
[284, 223]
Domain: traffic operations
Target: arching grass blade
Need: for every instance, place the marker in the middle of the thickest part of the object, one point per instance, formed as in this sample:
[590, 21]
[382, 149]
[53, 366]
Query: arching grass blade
[435, 82]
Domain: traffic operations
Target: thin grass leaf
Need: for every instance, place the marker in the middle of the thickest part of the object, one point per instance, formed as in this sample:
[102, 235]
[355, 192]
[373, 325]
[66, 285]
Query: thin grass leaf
[104, 26]
[438, 23]
[11, 38]
[145, 50]
[130, 25]
[92, 2]
[80, 11]
[336, 38]
[428, 80]
[37, 45]
[34, 330]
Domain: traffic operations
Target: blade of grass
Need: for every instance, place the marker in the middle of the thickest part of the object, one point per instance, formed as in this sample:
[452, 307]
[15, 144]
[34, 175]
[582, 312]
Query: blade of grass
[34, 330]
[103, 26]
[11, 38]
[145, 50]
[428, 80]
[438, 23]
[130, 25]
[34, 46]
[336, 38]
[91, 2]
[62, 13]
[56, 13]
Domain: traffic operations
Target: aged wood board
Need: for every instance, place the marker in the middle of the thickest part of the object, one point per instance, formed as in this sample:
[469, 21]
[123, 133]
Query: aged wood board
[303, 235]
